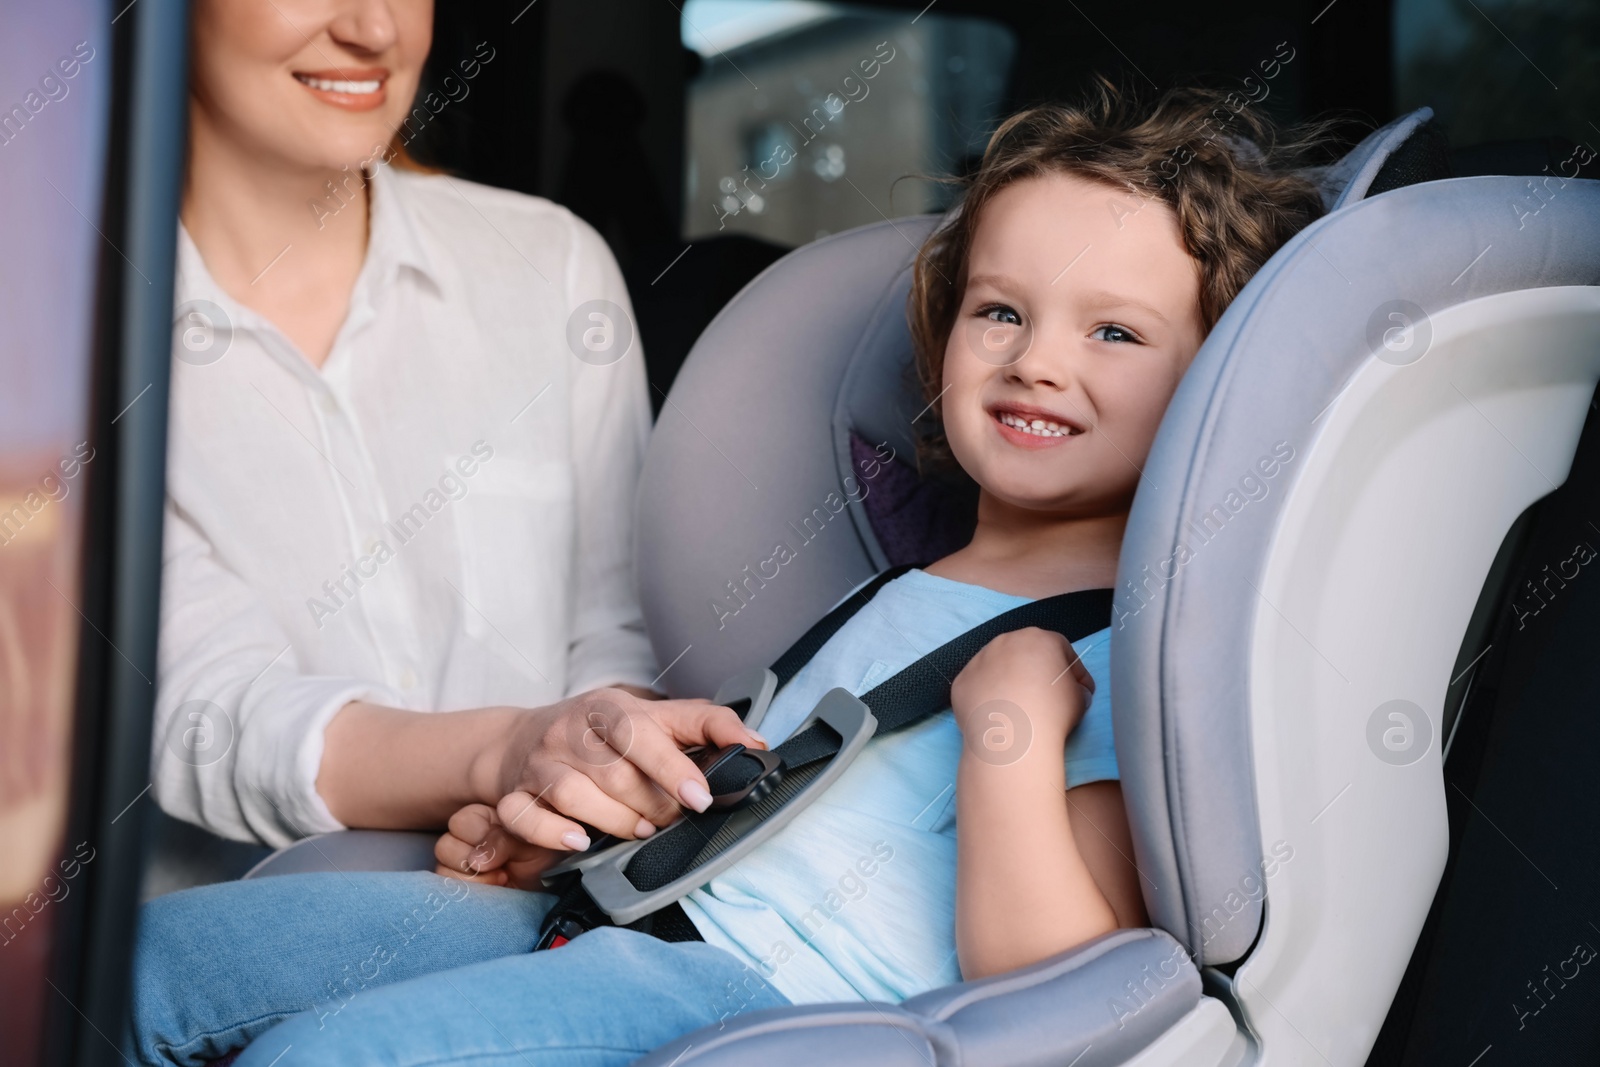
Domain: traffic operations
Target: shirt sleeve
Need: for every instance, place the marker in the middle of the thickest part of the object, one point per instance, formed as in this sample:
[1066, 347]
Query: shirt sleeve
[238, 728]
[1091, 755]
[610, 425]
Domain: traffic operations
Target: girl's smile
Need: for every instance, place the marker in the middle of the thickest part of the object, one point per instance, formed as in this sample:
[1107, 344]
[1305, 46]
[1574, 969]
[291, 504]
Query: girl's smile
[1032, 427]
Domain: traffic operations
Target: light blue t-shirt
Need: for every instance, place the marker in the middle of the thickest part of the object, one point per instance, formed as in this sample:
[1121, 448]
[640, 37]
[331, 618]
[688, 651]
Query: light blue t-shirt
[855, 899]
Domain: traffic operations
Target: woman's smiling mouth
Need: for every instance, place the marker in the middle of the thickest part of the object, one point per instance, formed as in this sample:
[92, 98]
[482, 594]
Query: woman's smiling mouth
[353, 90]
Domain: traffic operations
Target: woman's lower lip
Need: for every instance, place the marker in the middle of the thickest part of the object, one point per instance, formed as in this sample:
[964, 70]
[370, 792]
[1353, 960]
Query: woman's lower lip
[348, 101]
[1023, 439]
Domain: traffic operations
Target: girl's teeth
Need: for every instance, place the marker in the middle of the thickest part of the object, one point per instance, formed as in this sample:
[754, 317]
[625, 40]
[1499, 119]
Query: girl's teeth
[1038, 427]
[352, 88]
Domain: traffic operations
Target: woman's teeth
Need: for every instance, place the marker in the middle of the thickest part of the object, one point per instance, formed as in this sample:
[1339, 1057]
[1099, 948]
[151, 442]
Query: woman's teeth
[330, 86]
[1037, 427]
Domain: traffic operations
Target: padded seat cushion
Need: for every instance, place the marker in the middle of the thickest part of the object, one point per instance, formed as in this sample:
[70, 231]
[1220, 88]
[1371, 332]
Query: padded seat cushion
[915, 520]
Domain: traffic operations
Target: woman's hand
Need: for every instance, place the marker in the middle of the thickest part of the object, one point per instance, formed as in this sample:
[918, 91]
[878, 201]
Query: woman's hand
[605, 758]
[477, 848]
[1032, 673]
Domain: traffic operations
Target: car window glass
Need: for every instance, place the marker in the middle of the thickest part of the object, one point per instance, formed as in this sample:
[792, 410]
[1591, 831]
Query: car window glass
[803, 115]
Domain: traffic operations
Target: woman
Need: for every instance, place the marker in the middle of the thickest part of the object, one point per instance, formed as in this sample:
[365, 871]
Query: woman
[407, 427]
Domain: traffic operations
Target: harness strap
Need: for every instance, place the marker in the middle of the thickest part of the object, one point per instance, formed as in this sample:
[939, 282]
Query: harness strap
[801, 652]
[910, 696]
[573, 913]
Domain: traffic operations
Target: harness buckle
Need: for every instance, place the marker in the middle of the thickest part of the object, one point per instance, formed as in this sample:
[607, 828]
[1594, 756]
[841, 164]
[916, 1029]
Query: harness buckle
[574, 913]
[558, 933]
[603, 873]
[710, 761]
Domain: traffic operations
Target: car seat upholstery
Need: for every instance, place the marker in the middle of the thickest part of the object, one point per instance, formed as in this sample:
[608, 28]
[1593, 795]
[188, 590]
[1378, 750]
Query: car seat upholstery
[1322, 503]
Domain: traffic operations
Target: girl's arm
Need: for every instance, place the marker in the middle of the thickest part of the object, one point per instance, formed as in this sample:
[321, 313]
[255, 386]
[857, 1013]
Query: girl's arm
[1039, 869]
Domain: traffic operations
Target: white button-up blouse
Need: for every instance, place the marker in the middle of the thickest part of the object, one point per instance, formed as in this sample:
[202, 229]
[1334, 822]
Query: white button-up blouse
[439, 518]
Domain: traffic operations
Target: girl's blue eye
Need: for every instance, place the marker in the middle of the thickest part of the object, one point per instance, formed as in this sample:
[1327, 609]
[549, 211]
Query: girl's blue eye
[1128, 335]
[1000, 313]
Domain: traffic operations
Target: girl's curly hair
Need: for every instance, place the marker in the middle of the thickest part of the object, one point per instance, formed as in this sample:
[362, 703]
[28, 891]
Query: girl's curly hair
[1226, 171]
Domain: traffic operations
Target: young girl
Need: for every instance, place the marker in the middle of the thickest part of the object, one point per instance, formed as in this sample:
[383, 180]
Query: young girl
[1053, 315]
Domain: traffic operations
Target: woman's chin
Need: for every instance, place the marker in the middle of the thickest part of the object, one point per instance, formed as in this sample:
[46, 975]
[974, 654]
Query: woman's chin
[352, 148]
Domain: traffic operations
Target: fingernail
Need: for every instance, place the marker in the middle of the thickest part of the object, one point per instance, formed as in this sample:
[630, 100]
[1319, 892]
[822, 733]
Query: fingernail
[758, 737]
[694, 795]
[644, 828]
[576, 840]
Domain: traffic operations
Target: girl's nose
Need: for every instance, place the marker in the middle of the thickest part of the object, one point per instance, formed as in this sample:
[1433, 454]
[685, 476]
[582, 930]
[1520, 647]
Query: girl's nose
[1043, 363]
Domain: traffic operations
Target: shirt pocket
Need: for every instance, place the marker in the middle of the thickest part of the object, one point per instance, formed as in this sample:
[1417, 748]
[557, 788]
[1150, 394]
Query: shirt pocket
[516, 531]
[939, 816]
[877, 672]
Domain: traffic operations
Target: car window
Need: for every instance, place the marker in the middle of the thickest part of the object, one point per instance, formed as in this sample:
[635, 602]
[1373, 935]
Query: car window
[803, 115]
[1500, 69]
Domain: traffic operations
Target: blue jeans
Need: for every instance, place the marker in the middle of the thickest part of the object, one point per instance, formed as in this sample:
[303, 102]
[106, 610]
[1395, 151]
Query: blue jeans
[410, 969]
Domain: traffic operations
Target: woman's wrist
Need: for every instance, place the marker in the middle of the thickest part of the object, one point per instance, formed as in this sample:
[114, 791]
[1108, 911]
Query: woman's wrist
[486, 770]
[393, 768]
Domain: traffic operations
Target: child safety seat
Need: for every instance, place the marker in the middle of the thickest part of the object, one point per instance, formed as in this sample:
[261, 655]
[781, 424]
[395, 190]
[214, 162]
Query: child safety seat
[1298, 599]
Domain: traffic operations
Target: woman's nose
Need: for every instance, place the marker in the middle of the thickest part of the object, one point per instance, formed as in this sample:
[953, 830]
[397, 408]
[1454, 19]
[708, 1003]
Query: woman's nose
[364, 26]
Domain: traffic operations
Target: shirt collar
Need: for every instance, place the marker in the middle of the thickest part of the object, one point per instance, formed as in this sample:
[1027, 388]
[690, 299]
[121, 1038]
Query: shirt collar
[394, 241]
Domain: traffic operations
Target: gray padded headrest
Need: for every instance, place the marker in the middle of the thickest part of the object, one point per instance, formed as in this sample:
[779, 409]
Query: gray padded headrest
[1349, 179]
[818, 345]
[750, 524]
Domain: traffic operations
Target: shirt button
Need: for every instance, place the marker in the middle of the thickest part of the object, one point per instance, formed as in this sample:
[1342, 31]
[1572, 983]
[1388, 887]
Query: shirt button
[373, 547]
[329, 404]
[408, 679]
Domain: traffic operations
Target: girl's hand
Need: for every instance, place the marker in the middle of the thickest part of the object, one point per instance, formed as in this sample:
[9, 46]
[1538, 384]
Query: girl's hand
[1032, 673]
[477, 848]
[605, 758]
